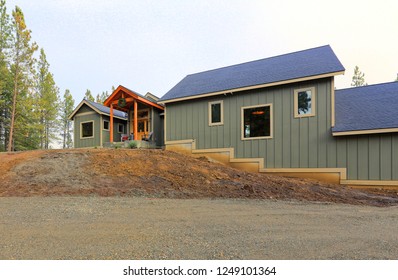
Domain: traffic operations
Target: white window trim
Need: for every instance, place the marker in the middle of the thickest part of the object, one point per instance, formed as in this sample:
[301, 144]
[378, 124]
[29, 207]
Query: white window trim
[103, 125]
[118, 128]
[81, 130]
[221, 112]
[242, 124]
[313, 102]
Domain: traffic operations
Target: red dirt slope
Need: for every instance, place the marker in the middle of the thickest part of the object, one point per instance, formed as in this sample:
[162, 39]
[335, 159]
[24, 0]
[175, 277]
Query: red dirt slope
[157, 173]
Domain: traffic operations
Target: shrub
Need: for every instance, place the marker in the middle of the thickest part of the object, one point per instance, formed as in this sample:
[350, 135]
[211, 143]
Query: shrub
[117, 146]
[133, 145]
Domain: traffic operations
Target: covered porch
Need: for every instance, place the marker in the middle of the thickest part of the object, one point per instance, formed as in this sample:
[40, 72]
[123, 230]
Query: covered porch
[144, 115]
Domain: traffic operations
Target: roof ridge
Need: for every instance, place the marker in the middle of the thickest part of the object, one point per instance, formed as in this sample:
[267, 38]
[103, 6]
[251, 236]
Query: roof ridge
[261, 59]
[366, 86]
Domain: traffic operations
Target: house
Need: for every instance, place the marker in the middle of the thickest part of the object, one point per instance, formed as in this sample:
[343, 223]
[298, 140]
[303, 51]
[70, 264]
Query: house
[282, 115]
[92, 125]
[124, 113]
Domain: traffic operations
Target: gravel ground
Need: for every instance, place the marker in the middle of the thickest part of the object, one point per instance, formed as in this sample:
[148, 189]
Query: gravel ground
[142, 228]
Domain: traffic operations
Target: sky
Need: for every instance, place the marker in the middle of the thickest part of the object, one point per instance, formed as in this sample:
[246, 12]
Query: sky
[149, 46]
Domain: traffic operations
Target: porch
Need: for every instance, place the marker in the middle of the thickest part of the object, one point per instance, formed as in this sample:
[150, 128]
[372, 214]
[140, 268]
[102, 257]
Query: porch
[144, 116]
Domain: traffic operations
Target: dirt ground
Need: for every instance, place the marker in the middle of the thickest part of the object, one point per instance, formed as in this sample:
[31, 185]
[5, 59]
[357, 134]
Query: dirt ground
[151, 228]
[154, 204]
[160, 174]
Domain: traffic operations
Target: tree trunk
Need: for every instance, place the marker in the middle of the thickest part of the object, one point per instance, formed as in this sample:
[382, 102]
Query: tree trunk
[10, 147]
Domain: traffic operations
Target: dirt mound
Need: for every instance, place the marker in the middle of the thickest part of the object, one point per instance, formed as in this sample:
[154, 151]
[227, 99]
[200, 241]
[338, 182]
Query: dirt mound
[158, 173]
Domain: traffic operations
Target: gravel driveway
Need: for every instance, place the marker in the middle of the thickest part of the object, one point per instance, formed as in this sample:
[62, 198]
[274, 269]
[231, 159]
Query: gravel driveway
[141, 228]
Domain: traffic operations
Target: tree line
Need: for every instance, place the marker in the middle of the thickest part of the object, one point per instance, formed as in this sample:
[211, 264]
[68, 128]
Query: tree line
[32, 114]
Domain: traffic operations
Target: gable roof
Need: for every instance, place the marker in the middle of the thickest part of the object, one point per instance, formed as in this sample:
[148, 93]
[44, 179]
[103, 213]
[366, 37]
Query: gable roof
[366, 109]
[285, 68]
[100, 109]
[128, 93]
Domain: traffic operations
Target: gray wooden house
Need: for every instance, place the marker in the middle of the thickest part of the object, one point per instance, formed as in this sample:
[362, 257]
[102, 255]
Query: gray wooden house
[125, 115]
[91, 122]
[282, 115]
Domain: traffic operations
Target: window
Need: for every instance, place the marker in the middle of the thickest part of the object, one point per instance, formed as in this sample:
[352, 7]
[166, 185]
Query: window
[256, 122]
[106, 125]
[216, 112]
[87, 129]
[120, 128]
[304, 102]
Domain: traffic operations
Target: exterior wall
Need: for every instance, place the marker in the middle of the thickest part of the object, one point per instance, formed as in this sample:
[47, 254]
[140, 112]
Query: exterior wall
[297, 142]
[89, 142]
[369, 157]
[116, 135]
[158, 127]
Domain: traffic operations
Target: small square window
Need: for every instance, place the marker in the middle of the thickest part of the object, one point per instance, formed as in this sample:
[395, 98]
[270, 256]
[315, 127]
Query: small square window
[87, 129]
[304, 102]
[106, 125]
[120, 128]
[216, 113]
[257, 122]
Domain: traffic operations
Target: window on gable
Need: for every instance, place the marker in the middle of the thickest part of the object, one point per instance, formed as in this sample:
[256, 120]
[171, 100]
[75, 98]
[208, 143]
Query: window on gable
[106, 125]
[216, 112]
[257, 122]
[87, 129]
[304, 102]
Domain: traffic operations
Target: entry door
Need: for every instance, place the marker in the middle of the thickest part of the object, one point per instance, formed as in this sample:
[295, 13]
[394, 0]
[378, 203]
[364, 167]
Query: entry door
[142, 129]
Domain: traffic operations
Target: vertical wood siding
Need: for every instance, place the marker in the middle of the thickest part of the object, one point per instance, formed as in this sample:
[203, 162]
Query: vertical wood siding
[89, 142]
[296, 143]
[116, 135]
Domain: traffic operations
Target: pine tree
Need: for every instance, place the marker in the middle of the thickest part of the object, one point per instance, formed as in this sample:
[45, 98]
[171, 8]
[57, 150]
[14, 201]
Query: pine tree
[89, 96]
[102, 97]
[66, 109]
[5, 78]
[48, 105]
[21, 69]
[358, 79]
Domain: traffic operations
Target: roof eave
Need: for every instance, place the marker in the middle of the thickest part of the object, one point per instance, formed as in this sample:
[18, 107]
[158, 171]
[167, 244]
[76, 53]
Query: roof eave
[84, 102]
[365, 131]
[332, 74]
[133, 94]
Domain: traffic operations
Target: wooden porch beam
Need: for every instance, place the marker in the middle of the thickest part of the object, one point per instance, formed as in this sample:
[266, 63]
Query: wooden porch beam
[111, 125]
[135, 120]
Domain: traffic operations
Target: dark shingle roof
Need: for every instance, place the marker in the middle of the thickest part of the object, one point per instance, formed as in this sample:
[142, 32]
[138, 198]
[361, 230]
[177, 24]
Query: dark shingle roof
[107, 110]
[311, 62]
[367, 107]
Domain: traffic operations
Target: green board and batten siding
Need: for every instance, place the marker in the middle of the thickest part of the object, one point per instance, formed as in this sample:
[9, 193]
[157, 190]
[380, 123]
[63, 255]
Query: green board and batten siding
[296, 143]
[87, 142]
[87, 114]
[116, 135]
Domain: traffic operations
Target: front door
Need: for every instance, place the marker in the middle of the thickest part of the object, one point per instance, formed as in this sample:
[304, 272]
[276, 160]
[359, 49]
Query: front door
[142, 128]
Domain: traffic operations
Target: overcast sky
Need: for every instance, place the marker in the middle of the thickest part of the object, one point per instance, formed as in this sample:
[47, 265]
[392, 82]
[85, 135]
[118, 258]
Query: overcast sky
[152, 45]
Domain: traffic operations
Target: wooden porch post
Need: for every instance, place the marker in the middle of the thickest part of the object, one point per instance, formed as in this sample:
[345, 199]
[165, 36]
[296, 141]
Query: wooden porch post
[111, 125]
[135, 120]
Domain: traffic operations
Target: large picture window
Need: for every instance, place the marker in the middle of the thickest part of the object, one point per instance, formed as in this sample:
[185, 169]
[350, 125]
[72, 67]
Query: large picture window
[257, 122]
[304, 102]
[216, 113]
[87, 129]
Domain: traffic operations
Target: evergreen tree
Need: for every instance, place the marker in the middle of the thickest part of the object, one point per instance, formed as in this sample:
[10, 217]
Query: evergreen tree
[66, 109]
[102, 97]
[47, 106]
[21, 69]
[89, 96]
[5, 78]
[358, 79]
